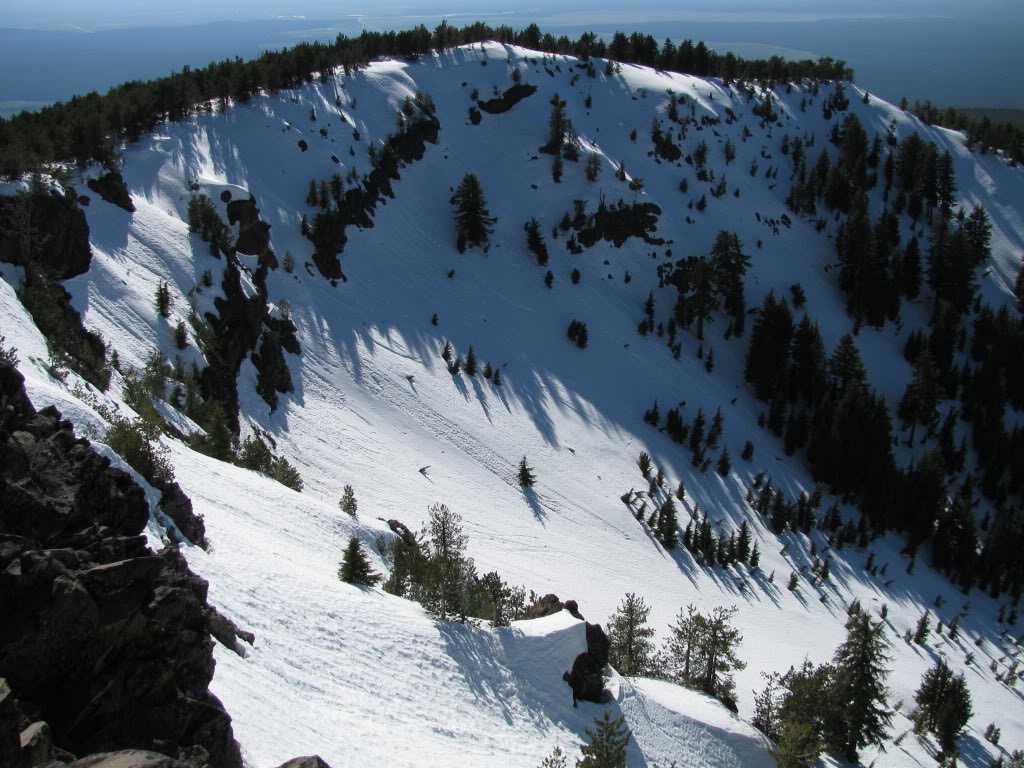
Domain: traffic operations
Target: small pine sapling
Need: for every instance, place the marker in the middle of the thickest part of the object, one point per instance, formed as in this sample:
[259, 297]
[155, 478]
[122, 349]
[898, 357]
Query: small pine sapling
[526, 476]
[347, 502]
[355, 568]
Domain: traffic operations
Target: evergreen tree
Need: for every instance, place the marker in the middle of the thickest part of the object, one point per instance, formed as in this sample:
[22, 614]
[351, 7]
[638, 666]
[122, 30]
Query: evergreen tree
[608, 741]
[860, 664]
[592, 169]
[535, 241]
[767, 706]
[630, 646]
[355, 568]
[919, 405]
[702, 651]
[943, 705]
[163, 299]
[446, 565]
[470, 365]
[474, 223]
[730, 265]
[668, 524]
[923, 628]
[525, 474]
[724, 464]
[348, 501]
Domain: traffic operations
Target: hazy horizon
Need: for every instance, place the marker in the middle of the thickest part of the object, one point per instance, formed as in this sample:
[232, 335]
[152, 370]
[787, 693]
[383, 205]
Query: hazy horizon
[941, 51]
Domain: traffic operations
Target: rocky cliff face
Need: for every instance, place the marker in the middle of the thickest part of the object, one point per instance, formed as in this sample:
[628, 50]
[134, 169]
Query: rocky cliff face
[48, 228]
[104, 640]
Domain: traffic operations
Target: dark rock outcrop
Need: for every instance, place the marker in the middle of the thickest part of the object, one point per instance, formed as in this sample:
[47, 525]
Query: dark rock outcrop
[253, 232]
[508, 99]
[586, 678]
[177, 506]
[103, 640]
[112, 189]
[549, 604]
[313, 761]
[56, 226]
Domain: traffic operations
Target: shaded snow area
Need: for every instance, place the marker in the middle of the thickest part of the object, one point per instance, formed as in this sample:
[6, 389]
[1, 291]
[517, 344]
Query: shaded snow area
[366, 679]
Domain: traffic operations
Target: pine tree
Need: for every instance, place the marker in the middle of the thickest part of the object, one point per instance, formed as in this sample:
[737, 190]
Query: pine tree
[525, 474]
[860, 692]
[923, 628]
[474, 223]
[629, 637]
[592, 169]
[608, 741]
[535, 242]
[163, 299]
[470, 364]
[943, 705]
[347, 502]
[668, 524]
[767, 706]
[447, 563]
[355, 568]
[724, 464]
[557, 757]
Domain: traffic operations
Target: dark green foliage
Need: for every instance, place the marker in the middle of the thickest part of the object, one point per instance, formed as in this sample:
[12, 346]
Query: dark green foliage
[137, 442]
[724, 464]
[668, 524]
[608, 741]
[163, 300]
[860, 692]
[67, 339]
[748, 451]
[702, 652]
[630, 646]
[535, 241]
[525, 474]
[180, 335]
[578, 333]
[575, 276]
[355, 567]
[923, 628]
[347, 502]
[470, 365]
[473, 221]
[943, 705]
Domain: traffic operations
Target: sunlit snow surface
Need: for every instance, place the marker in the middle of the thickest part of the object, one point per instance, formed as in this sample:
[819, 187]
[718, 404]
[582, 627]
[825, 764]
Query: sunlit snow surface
[366, 679]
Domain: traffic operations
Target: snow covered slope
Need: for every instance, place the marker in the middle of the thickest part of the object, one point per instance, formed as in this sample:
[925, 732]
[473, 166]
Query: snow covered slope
[366, 679]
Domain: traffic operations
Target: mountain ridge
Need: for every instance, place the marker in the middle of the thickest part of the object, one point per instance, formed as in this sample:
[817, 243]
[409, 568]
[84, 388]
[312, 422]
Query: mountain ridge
[371, 401]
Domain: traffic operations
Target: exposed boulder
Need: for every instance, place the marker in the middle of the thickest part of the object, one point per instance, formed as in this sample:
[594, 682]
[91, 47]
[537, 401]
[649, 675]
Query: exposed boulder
[313, 761]
[55, 228]
[586, 678]
[177, 506]
[549, 604]
[129, 758]
[111, 188]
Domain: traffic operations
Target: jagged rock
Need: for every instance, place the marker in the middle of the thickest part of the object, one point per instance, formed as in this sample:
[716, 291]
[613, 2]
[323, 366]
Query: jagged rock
[598, 644]
[573, 608]
[36, 744]
[402, 530]
[109, 642]
[130, 758]
[545, 606]
[587, 675]
[253, 232]
[586, 679]
[177, 506]
[313, 761]
[227, 632]
[10, 740]
[111, 188]
[64, 248]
